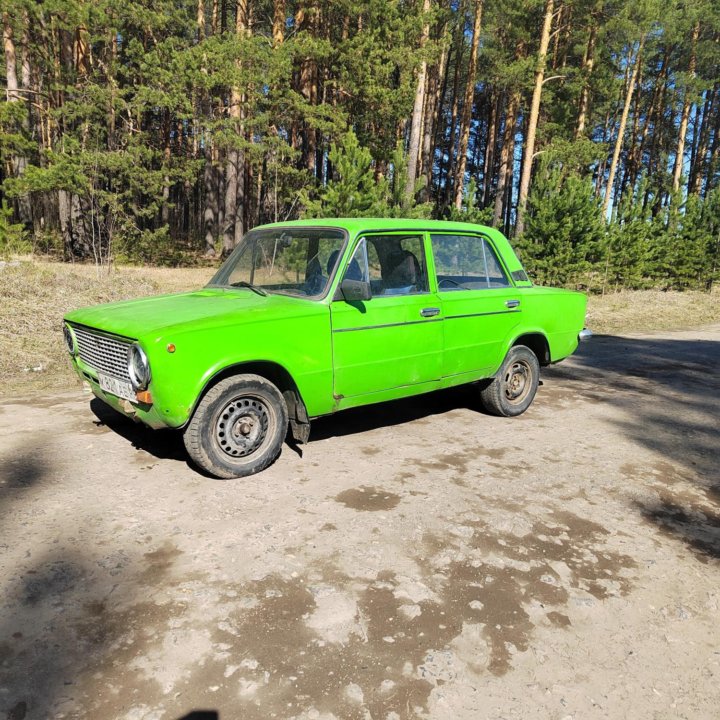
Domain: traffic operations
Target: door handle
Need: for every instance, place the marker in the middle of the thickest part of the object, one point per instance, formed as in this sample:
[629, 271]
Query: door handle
[430, 312]
[512, 303]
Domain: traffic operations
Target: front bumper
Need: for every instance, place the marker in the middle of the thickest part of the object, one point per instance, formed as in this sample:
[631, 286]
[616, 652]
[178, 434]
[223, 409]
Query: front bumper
[584, 335]
[140, 412]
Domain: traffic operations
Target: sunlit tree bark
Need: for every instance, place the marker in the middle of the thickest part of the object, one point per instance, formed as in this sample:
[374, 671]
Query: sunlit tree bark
[529, 152]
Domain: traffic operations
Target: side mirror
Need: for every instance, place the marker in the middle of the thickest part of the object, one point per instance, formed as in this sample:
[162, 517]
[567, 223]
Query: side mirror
[355, 290]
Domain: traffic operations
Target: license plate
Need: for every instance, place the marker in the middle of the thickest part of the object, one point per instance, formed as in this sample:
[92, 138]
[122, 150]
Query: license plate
[116, 387]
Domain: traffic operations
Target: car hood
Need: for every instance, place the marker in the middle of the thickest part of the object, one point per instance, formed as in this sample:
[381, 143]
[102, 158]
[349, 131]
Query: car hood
[154, 316]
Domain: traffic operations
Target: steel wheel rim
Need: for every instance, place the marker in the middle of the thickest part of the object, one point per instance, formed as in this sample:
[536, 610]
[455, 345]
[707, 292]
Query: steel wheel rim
[241, 427]
[517, 382]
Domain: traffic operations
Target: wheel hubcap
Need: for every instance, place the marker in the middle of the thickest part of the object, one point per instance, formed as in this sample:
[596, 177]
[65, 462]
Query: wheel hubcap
[241, 426]
[518, 381]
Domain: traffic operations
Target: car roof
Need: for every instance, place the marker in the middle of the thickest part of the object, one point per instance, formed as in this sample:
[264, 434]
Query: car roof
[356, 225]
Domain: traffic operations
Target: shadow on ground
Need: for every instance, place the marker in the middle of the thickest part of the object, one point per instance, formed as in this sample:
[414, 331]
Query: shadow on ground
[396, 412]
[669, 390]
[69, 619]
[168, 444]
[162, 444]
[32, 601]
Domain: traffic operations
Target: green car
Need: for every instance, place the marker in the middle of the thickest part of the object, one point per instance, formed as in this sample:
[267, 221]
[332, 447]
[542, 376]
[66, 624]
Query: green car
[310, 317]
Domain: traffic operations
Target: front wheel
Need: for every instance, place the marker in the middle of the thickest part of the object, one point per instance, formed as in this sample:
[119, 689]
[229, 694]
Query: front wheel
[238, 428]
[513, 388]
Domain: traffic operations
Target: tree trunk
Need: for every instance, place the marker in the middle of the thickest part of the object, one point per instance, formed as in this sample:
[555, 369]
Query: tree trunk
[417, 114]
[214, 27]
[278, 28]
[507, 157]
[201, 20]
[167, 153]
[621, 130]
[633, 159]
[587, 68]
[490, 145]
[12, 93]
[459, 182]
[458, 44]
[308, 86]
[235, 168]
[650, 117]
[682, 132]
[18, 162]
[529, 153]
[698, 168]
[210, 210]
[432, 113]
[714, 162]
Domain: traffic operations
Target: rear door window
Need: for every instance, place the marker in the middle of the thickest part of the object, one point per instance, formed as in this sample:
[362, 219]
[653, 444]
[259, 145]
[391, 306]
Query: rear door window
[467, 262]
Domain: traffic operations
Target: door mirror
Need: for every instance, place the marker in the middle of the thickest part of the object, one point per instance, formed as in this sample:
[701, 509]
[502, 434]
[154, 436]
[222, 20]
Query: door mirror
[355, 290]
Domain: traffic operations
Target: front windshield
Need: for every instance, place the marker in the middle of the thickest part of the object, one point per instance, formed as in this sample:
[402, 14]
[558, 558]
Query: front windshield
[294, 260]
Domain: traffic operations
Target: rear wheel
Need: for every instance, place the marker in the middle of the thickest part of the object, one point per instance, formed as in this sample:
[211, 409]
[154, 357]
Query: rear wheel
[238, 428]
[513, 388]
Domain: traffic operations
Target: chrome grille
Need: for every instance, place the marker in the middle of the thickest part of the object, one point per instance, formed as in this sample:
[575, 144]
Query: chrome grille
[107, 354]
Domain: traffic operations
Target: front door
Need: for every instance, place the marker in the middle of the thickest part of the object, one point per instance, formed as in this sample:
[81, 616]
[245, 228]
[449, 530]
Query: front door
[393, 340]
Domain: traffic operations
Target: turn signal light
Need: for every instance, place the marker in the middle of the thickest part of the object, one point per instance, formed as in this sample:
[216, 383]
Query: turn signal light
[144, 396]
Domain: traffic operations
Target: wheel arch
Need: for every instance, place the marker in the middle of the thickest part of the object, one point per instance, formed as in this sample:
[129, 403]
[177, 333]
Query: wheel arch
[538, 343]
[279, 376]
[272, 371]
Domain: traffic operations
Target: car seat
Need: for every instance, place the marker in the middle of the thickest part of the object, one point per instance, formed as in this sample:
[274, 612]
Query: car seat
[405, 274]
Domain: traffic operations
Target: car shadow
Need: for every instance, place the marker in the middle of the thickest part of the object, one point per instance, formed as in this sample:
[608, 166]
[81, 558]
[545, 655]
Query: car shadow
[395, 412]
[162, 444]
[168, 444]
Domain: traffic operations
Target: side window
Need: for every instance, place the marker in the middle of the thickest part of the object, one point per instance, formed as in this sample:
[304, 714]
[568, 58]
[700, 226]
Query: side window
[396, 264]
[465, 262]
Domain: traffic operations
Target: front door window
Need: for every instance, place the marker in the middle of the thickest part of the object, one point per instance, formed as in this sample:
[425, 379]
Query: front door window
[394, 264]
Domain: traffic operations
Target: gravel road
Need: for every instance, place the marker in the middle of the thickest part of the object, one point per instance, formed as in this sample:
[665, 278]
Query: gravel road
[416, 559]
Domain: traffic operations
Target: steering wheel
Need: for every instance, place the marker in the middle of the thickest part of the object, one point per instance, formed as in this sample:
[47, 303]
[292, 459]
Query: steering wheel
[449, 280]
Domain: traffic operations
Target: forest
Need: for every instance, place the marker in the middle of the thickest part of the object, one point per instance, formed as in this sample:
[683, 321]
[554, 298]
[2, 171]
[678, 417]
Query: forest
[161, 131]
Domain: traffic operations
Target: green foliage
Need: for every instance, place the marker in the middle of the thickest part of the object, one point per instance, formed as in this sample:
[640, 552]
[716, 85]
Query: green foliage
[565, 233]
[14, 239]
[675, 248]
[470, 212]
[356, 192]
[396, 202]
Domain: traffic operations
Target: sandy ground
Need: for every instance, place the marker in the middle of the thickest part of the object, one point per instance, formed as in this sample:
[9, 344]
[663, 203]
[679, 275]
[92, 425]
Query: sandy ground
[421, 559]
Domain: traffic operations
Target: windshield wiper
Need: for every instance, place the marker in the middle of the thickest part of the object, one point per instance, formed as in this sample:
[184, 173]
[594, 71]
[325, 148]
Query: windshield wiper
[249, 286]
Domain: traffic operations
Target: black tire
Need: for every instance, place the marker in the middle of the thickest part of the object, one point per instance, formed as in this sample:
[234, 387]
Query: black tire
[238, 428]
[513, 388]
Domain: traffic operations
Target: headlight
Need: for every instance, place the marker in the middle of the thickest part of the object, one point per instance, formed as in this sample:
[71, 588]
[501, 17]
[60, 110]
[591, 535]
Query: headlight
[138, 368]
[69, 339]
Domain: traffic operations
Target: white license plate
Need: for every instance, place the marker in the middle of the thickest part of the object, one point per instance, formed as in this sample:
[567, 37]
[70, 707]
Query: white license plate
[116, 387]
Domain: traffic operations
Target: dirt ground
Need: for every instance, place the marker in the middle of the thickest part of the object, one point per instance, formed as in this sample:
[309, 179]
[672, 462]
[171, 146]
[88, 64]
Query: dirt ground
[419, 559]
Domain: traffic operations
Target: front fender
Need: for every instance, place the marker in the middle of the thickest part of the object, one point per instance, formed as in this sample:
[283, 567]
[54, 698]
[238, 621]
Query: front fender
[179, 378]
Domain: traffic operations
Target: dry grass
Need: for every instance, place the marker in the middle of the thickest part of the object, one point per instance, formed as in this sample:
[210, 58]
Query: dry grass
[34, 296]
[646, 310]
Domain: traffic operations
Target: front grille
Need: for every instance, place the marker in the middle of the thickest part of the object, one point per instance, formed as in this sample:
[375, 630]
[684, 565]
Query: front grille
[107, 354]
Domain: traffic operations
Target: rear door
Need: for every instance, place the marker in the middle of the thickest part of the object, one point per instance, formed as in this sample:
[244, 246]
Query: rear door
[394, 339]
[480, 305]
